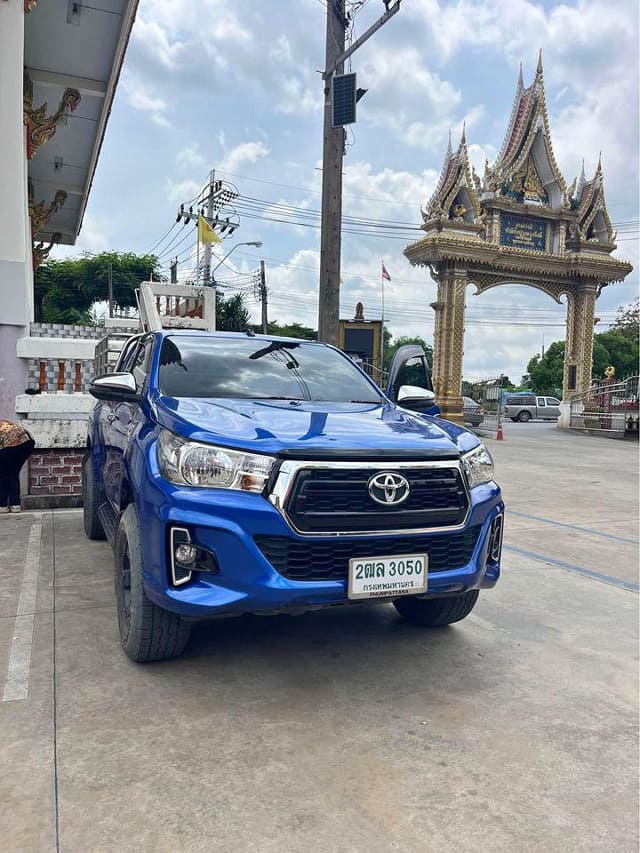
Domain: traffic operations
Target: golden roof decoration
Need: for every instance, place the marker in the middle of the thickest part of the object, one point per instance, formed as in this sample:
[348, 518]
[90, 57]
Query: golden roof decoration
[455, 197]
[526, 170]
[592, 218]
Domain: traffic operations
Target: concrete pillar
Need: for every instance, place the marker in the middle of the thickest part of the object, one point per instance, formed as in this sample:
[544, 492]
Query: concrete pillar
[449, 342]
[578, 359]
[16, 288]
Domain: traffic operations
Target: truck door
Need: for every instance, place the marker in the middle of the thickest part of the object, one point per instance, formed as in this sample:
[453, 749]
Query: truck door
[541, 407]
[410, 370]
[553, 407]
[118, 418]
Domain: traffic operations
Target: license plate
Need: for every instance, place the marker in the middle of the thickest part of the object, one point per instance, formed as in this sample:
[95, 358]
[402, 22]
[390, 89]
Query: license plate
[388, 577]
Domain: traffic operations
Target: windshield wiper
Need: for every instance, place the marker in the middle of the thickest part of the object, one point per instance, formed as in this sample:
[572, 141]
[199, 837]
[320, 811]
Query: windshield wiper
[273, 347]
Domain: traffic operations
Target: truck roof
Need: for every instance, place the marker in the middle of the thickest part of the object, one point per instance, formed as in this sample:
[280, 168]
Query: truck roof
[165, 333]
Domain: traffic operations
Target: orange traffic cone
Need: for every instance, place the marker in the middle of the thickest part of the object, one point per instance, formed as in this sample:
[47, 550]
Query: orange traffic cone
[499, 435]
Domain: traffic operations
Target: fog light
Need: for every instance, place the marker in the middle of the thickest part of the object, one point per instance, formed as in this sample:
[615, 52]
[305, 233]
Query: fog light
[185, 553]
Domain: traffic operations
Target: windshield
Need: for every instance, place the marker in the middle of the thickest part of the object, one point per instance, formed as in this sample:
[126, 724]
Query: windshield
[256, 368]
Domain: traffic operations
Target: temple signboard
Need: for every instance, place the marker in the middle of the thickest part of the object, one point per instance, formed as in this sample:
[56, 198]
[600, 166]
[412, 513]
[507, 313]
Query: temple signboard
[523, 232]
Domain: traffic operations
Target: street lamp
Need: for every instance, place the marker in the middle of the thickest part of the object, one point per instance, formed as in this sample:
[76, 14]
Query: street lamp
[257, 244]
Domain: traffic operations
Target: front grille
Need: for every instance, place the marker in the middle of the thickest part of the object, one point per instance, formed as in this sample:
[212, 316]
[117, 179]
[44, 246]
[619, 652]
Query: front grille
[325, 500]
[329, 559]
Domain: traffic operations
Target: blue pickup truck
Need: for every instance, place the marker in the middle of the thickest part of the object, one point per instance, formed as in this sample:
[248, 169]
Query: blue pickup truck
[238, 473]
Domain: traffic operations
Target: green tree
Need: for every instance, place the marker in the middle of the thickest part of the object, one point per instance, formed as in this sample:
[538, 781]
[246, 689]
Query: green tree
[628, 320]
[616, 347]
[622, 352]
[391, 349]
[232, 314]
[544, 373]
[65, 290]
[290, 330]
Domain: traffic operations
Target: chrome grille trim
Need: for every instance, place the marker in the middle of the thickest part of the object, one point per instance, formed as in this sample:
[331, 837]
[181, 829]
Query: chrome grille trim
[289, 469]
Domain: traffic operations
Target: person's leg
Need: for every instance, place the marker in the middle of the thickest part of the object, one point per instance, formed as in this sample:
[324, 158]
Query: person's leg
[20, 455]
[4, 483]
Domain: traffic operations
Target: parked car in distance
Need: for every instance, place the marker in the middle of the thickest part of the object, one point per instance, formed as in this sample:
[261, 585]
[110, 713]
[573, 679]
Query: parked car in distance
[527, 407]
[472, 412]
[238, 474]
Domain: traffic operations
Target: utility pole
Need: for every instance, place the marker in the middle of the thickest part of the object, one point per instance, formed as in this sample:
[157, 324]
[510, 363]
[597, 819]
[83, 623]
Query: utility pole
[263, 299]
[207, 246]
[332, 154]
[110, 290]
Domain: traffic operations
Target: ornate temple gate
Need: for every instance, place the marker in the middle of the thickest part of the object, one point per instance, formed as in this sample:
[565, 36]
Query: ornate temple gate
[519, 224]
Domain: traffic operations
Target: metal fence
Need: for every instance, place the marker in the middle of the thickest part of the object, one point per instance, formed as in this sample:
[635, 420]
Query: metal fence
[379, 376]
[608, 407]
[481, 405]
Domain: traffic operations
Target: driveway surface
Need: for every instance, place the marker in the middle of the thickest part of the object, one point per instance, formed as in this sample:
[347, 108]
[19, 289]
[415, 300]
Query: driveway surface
[344, 730]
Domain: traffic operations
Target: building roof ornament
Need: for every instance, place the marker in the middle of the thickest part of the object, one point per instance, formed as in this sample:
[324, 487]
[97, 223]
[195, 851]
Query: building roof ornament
[41, 126]
[592, 218]
[520, 219]
[40, 250]
[455, 197]
[527, 151]
[41, 213]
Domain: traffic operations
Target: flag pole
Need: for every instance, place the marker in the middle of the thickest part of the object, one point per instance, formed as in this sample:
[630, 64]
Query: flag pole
[198, 253]
[382, 334]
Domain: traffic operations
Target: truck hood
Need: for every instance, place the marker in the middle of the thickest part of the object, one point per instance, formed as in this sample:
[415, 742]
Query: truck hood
[312, 430]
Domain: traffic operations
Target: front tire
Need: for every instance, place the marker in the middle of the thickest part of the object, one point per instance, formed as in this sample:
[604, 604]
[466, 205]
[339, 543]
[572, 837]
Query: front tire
[147, 632]
[91, 500]
[435, 612]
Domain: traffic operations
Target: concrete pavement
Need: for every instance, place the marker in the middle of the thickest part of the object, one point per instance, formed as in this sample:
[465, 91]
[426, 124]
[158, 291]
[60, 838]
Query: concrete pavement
[344, 730]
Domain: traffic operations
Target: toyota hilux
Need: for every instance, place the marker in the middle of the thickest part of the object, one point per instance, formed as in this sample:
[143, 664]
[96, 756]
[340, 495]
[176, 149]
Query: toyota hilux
[238, 473]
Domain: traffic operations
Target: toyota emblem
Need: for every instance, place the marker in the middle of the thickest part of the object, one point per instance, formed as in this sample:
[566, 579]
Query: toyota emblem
[388, 489]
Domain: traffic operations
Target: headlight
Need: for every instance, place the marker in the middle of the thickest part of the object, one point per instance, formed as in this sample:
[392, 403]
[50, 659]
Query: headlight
[189, 463]
[478, 466]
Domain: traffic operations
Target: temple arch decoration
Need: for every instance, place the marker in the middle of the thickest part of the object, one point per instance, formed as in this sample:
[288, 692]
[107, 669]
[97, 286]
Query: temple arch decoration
[520, 223]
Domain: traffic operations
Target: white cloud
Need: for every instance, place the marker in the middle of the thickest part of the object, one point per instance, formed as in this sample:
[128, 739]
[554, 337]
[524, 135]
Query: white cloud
[142, 100]
[190, 157]
[246, 152]
[181, 191]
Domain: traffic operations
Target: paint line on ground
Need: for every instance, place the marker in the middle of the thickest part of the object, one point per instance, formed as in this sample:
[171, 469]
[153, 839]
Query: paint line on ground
[483, 623]
[589, 530]
[570, 567]
[17, 680]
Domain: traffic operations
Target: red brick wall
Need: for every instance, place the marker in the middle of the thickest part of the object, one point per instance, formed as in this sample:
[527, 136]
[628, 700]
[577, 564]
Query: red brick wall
[55, 472]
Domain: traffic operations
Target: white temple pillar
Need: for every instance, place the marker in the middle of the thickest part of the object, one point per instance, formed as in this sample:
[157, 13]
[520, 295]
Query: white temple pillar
[16, 275]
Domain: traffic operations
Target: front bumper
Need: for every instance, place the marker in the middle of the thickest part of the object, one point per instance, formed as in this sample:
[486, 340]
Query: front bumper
[228, 523]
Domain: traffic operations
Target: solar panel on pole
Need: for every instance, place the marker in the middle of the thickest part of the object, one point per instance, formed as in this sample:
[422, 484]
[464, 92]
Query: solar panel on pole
[344, 99]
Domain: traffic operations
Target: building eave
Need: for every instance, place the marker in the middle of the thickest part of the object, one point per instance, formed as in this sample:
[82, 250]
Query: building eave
[61, 57]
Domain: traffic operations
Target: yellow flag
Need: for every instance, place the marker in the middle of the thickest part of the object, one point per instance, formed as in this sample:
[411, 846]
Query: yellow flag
[206, 234]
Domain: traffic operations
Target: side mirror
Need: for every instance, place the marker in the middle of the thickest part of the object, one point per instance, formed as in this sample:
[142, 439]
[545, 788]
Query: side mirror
[119, 387]
[412, 394]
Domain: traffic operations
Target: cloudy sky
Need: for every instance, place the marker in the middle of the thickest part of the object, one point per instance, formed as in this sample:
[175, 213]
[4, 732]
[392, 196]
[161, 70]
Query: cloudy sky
[235, 87]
